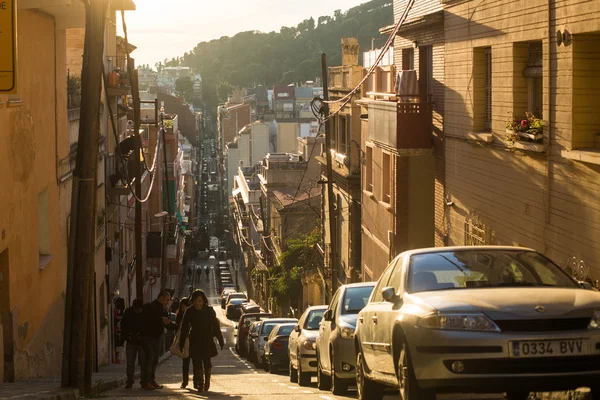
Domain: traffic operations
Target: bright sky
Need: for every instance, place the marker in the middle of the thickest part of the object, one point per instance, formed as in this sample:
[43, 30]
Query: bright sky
[166, 29]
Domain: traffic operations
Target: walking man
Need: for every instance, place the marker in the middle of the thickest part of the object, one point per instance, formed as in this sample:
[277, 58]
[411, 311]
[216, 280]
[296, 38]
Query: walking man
[155, 320]
[131, 326]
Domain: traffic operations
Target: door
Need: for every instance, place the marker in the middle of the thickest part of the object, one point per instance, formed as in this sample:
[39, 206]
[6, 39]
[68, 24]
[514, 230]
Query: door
[387, 314]
[368, 320]
[325, 332]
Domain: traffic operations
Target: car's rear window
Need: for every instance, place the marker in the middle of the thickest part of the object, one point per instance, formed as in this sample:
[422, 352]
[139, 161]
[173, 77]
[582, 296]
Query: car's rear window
[285, 330]
[485, 268]
[355, 299]
[236, 301]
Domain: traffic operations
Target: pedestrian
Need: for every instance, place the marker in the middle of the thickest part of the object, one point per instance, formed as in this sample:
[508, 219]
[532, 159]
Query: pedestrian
[131, 326]
[155, 319]
[184, 304]
[200, 320]
[207, 270]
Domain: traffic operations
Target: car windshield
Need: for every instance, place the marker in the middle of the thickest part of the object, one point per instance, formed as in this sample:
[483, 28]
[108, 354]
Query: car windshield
[355, 299]
[268, 326]
[470, 269]
[313, 320]
[236, 301]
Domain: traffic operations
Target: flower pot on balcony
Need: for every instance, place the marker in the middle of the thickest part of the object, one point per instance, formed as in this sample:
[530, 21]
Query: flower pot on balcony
[525, 135]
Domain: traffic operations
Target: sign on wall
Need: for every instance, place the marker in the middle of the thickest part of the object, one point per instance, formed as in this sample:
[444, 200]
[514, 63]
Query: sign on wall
[8, 47]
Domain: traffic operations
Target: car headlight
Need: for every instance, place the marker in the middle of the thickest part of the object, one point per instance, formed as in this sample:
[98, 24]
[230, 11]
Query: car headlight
[308, 345]
[459, 322]
[347, 332]
[595, 321]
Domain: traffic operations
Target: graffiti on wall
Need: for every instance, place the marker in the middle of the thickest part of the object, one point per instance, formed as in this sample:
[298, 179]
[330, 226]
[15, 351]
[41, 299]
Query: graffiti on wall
[581, 271]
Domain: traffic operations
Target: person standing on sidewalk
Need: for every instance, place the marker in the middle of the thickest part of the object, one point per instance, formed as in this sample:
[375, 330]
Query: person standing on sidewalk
[131, 326]
[200, 320]
[155, 319]
[184, 304]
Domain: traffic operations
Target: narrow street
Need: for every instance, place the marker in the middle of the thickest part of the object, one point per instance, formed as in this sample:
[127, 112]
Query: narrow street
[233, 376]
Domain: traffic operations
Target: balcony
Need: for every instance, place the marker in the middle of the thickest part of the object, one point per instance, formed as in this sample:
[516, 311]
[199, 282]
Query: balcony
[400, 124]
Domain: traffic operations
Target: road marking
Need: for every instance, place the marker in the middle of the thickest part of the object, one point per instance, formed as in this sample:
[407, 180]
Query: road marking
[326, 397]
[275, 380]
[281, 384]
[307, 392]
[293, 387]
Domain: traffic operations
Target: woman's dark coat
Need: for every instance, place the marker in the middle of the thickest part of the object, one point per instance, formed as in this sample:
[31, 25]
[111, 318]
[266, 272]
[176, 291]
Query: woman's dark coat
[202, 325]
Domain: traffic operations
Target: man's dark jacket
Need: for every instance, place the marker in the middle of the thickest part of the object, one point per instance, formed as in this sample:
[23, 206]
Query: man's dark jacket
[152, 316]
[131, 326]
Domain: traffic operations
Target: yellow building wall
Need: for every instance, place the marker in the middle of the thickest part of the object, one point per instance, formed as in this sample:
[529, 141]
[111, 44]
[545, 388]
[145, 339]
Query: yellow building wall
[537, 199]
[28, 155]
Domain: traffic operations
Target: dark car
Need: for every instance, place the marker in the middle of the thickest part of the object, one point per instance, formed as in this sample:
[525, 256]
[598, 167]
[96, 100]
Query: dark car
[224, 295]
[276, 347]
[233, 310]
[244, 328]
[251, 308]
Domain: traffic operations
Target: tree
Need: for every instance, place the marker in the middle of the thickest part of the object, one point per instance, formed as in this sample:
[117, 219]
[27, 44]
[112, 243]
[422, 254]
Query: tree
[185, 87]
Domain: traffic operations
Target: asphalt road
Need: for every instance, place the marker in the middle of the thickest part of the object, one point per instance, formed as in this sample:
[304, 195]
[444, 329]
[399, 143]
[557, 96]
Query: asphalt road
[234, 378]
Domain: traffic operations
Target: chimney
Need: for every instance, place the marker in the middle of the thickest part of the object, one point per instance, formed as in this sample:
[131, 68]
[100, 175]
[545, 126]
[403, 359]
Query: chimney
[350, 50]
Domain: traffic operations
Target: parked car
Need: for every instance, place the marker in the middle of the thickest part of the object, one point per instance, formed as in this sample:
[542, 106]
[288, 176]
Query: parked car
[251, 308]
[302, 345]
[276, 347]
[236, 295]
[233, 310]
[251, 340]
[263, 334]
[244, 329]
[336, 353]
[224, 295]
[483, 319]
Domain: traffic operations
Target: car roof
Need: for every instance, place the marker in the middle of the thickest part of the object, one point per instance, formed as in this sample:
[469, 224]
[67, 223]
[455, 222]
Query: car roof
[313, 308]
[359, 284]
[254, 315]
[276, 320]
[433, 250]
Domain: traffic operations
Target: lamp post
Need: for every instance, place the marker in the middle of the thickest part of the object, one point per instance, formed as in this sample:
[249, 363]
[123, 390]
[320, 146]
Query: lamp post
[161, 215]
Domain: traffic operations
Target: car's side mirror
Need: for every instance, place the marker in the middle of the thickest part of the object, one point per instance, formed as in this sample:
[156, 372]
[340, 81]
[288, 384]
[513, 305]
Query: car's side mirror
[328, 316]
[389, 295]
[297, 328]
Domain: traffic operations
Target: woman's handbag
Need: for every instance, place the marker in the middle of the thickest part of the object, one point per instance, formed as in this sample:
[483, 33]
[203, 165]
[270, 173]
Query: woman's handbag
[175, 350]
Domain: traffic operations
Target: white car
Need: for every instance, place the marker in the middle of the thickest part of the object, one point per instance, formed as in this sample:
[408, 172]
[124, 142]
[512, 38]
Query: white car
[479, 319]
[302, 346]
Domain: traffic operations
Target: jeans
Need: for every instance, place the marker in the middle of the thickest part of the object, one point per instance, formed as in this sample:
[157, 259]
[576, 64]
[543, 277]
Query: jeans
[131, 351]
[151, 349]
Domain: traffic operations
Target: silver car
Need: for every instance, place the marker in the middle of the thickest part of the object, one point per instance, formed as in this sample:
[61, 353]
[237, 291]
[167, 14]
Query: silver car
[302, 346]
[263, 335]
[336, 353]
[477, 319]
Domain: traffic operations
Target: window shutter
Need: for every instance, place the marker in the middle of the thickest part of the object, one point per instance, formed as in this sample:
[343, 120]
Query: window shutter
[488, 89]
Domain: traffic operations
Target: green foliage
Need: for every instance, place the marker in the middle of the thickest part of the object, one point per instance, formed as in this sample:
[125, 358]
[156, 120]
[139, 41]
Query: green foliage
[284, 57]
[185, 87]
[286, 278]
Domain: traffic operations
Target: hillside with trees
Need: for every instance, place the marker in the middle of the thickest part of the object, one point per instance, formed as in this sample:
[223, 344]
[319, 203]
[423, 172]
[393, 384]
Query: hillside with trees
[284, 57]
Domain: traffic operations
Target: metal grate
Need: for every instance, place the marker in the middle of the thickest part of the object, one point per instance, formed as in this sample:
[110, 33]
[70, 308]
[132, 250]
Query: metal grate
[477, 233]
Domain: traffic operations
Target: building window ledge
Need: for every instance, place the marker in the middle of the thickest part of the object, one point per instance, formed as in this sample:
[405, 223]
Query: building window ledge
[387, 206]
[486, 137]
[591, 156]
[369, 195]
[521, 145]
[45, 260]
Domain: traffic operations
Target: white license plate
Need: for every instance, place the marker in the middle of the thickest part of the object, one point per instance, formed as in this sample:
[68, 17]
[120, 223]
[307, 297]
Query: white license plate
[549, 348]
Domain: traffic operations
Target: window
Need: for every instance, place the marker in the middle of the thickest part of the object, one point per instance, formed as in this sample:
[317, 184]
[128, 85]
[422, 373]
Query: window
[408, 59]
[533, 74]
[586, 91]
[387, 184]
[314, 319]
[369, 162]
[355, 299]
[381, 284]
[342, 146]
[426, 70]
[482, 89]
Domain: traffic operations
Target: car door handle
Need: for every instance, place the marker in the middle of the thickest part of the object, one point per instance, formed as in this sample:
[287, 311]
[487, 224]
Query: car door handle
[374, 319]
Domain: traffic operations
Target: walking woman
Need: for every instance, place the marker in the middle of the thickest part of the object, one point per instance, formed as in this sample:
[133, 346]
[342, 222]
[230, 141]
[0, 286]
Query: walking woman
[201, 322]
[184, 304]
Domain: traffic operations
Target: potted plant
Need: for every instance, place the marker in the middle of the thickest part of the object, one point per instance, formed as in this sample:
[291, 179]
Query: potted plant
[529, 128]
[124, 77]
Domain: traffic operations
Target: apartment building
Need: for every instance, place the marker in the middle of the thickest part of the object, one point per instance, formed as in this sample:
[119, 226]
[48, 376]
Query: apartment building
[540, 191]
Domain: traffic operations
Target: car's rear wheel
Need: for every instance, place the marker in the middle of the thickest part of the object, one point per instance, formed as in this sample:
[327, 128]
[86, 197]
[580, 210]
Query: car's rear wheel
[516, 395]
[293, 374]
[338, 385]
[407, 381]
[366, 388]
[303, 377]
[323, 381]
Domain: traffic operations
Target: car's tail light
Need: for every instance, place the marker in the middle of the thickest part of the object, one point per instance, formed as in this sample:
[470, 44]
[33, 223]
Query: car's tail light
[277, 346]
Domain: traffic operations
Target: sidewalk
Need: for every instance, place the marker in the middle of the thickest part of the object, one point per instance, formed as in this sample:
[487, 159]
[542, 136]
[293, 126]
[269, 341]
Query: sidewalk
[108, 378]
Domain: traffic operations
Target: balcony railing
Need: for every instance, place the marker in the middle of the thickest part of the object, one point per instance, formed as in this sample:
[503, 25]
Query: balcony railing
[400, 124]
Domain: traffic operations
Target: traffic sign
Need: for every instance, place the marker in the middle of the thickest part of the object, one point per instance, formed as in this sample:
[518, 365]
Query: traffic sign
[8, 46]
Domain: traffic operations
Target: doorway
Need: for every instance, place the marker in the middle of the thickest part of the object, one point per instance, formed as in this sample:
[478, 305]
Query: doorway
[6, 321]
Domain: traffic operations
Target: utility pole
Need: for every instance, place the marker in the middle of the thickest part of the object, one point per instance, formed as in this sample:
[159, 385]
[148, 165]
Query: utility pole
[330, 197]
[163, 271]
[82, 239]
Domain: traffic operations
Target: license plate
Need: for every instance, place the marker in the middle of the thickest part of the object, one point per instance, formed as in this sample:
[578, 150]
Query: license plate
[549, 348]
